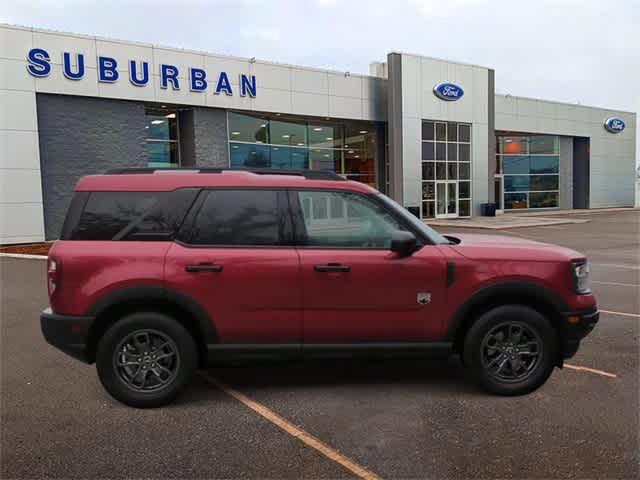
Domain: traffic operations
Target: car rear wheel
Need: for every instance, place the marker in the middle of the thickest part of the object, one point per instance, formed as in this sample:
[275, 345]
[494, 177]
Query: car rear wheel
[145, 359]
[511, 350]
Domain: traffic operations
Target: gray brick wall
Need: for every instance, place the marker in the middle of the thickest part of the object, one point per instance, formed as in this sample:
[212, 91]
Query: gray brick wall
[81, 136]
[210, 137]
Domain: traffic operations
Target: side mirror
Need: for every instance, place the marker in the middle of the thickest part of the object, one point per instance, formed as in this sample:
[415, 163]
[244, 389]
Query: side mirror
[403, 243]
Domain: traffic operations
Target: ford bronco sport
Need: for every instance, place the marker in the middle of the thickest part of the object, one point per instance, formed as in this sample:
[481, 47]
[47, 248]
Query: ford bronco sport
[159, 272]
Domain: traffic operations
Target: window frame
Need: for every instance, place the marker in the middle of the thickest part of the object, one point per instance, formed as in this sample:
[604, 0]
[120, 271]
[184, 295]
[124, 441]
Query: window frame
[299, 226]
[184, 234]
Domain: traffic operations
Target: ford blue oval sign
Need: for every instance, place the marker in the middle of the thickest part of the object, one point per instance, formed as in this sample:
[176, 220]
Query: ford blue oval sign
[448, 91]
[614, 125]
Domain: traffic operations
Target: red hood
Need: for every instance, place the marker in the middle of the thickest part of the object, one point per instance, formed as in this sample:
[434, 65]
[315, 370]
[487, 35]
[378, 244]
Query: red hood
[500, 247]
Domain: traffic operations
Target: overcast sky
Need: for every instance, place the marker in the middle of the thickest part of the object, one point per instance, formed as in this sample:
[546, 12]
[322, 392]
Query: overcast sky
[582, 51]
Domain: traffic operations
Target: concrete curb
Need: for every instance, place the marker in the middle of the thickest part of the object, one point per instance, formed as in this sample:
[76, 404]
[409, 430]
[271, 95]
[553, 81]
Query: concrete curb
[23, 256]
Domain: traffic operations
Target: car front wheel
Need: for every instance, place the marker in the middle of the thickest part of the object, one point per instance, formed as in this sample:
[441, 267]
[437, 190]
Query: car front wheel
[511, 350]
[145, 359]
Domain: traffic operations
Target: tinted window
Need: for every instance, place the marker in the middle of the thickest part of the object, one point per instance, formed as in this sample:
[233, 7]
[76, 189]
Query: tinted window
[342, 219]
[239, 217]
[132, 215]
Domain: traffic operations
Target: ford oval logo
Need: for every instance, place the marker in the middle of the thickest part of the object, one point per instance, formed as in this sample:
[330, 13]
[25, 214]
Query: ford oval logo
[614, 124]
[448, 91]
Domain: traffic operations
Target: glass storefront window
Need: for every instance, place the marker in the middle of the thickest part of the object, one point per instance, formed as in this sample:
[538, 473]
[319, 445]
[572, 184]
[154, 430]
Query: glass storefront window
[161, 131]
[543, 199]
[513, 145]
[263, 141]
[162, 154]
[544, 164]
[288, 133]
[515, 201]
[544, 144]
[325, 136]
[446, 159]
[530, 166]
[245, 128]
[513, 165]
[428, 151]
[516, 183]
[325, 159]
[245, 155]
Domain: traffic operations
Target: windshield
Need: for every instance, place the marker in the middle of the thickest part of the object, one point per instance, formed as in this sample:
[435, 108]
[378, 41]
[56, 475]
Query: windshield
[426, 230]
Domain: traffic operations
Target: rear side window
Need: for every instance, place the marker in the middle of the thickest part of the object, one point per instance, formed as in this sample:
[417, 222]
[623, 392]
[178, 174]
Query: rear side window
[131, 215]
[240, 218]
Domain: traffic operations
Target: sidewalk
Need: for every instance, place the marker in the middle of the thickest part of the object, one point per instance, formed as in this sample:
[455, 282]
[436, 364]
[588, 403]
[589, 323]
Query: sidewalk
[525, 219]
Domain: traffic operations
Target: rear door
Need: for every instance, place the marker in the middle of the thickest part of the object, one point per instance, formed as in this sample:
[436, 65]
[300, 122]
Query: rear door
[234, 257]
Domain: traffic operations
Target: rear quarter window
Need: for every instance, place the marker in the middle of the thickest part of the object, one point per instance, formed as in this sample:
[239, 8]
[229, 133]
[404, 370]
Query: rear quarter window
[129, 215]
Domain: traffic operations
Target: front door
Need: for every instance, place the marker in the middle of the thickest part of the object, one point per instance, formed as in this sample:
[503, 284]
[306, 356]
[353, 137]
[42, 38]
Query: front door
[233, 260]
[354, 288]
[447, 199]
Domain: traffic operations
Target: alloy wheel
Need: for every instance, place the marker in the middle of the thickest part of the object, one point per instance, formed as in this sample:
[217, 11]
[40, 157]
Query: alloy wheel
[511, 351]
[146, 360]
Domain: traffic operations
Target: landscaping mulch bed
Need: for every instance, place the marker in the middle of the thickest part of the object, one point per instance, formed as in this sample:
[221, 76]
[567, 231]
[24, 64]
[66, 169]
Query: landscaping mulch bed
[27, 248]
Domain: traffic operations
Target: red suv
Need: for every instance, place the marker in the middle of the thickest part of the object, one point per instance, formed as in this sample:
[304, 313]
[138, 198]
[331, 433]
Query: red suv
[159, 272]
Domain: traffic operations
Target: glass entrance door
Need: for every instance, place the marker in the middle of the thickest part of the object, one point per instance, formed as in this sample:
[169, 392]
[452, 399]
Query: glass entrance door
[447, 199]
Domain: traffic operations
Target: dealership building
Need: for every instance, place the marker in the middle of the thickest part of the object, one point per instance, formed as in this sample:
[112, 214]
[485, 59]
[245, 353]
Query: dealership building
[430, 133]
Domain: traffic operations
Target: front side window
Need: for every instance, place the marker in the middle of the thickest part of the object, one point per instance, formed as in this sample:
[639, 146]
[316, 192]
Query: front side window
[343, 219]
[239, 218]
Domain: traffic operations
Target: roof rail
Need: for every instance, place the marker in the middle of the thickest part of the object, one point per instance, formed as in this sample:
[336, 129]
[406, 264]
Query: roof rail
[308, 174]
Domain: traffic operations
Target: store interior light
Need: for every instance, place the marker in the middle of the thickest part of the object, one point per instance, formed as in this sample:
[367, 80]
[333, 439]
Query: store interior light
[350, 151]
[156, 122]
[263, 125]
[317, 129]
[235, 133]
[329, 138]
[326, 155]
[170, 115]
[146, 126]
[234, 146]
[363, 131]
[286, 136]
[357, 156]
[163, 106]
[301, 144]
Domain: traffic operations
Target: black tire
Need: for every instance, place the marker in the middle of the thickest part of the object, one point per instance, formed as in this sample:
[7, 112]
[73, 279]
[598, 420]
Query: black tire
[503, 363]
[121, 353]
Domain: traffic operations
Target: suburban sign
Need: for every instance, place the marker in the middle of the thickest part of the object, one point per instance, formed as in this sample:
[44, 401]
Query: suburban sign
[109, 71]
[614, 124]
[448, 91]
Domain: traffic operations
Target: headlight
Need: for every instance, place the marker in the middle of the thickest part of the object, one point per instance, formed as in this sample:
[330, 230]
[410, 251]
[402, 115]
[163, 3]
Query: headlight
[580, 272]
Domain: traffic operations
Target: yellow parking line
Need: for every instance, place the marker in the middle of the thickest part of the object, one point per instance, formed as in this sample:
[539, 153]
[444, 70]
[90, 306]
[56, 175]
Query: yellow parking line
[624, 314]
[294, 431]
[590, 370]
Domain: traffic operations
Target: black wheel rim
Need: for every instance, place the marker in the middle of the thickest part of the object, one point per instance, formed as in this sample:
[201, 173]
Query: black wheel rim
[511, 351]
[146, 360]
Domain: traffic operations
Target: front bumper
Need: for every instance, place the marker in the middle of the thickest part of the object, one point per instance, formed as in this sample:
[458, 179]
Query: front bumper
[578, 325]
[68, 333]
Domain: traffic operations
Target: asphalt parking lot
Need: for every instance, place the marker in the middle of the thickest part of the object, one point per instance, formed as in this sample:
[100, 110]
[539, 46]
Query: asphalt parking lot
[401, 418]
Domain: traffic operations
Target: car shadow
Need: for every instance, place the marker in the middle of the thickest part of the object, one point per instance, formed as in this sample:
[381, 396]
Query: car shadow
[435, 374]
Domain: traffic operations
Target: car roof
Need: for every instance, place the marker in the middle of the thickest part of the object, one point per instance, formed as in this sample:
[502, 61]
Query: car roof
[149, 180]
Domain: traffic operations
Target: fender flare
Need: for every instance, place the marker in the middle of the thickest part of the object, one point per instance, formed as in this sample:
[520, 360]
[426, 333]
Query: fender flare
[154, 292]
[528, 289]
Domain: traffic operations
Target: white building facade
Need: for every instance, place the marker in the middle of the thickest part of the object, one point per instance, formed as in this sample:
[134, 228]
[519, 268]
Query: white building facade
[431, 133]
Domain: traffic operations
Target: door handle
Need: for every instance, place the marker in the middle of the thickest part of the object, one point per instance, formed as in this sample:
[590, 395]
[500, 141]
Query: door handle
[332, 267]
[203, 267]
